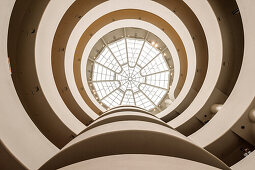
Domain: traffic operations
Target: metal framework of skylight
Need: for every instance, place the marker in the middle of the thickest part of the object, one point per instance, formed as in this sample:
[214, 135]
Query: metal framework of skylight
[130, 71]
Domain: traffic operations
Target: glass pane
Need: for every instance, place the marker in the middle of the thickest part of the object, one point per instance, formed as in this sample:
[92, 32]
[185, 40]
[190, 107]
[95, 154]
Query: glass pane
[130, 72]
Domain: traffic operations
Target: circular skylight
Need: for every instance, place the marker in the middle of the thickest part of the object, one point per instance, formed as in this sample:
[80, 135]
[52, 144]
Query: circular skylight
[131, 71]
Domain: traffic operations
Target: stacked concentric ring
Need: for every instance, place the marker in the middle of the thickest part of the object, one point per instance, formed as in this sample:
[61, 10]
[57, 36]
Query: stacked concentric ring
[44, 44]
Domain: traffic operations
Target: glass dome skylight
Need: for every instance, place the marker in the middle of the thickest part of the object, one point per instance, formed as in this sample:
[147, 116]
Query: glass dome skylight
[131, 71]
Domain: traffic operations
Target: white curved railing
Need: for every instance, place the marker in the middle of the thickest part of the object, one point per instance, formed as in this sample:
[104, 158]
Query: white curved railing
[44, 39]
[208, 20]
[17, 131]
[243, 93]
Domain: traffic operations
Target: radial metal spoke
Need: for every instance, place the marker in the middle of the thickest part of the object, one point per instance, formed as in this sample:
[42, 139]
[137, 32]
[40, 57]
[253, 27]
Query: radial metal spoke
[125, 37]
[105, 66]
[152, 59]
[142, 48]
[99, 81]
[111, 53]
[154, 86]
[130, 78]
[149, 99]
[110, 93]
[156, 73]
[134, 97]
[122, 98]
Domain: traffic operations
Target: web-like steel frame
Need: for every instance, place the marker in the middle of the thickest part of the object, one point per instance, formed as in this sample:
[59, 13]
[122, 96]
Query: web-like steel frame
[131, 71]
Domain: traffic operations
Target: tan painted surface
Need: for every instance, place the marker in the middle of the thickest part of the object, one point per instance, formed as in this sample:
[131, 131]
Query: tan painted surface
[17, 131]
[137, 162]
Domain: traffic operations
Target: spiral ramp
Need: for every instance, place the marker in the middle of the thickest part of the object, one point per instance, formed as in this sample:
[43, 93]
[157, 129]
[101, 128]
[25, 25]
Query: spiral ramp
[52, 114]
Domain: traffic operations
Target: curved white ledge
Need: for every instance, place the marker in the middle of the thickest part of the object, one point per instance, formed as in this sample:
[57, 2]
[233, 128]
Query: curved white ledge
[44, 39]
[17, 131]
[135, 127]
[122, 126]
[210, 25]
[149, 6]
[243, 93]
[127, 114]
[138, 161]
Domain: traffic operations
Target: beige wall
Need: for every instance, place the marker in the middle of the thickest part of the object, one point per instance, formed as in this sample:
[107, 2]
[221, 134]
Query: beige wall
[17, 131]
[30, 139]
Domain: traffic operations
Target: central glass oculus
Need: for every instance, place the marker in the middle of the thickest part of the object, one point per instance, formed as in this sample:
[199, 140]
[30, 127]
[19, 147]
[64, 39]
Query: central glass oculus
[130, 71]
